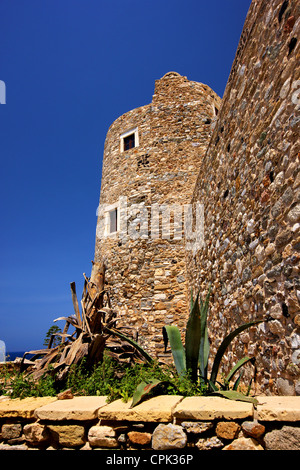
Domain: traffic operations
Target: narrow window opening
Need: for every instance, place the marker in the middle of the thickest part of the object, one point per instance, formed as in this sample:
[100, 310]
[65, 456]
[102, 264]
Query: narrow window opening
[113, 221]
[129, 142]
[216, 111]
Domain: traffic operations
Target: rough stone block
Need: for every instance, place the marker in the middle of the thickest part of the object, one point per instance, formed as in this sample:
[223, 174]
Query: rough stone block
[244, 443]
[78, 408]
[139, 438]
[210, 443]
[70, 435]
[287, 438]
[196, 427]
[168, 436]
[227, 430]
[253, 429]
[102, 436]
[13, 447]
[36, 433]
[11, 431]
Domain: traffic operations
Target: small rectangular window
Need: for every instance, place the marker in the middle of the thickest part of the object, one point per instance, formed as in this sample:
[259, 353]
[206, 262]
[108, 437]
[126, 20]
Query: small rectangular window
[129, 142]
[113, 221]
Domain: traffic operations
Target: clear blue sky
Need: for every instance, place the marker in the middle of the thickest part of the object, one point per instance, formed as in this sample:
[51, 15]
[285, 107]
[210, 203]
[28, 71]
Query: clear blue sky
[71, 67]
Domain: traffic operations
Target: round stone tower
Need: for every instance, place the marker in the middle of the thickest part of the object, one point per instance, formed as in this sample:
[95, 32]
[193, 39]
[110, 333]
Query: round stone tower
[150, 166]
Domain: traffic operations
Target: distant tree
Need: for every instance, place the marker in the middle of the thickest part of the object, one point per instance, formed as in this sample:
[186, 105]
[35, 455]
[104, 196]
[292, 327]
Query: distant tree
[52, 330]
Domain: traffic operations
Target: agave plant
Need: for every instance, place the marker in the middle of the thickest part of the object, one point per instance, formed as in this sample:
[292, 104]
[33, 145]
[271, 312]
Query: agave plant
[194, 356]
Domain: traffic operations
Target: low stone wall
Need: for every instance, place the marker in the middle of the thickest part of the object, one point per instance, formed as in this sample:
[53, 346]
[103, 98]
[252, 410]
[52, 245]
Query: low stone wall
[164, 423]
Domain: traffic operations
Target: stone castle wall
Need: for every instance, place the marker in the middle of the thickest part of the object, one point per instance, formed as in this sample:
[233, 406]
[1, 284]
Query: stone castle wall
[249, 184]
[145, 267]
[243, 168]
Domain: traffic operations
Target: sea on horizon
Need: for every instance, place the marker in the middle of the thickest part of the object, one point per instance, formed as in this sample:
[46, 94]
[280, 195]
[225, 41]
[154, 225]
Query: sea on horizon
[11, 356]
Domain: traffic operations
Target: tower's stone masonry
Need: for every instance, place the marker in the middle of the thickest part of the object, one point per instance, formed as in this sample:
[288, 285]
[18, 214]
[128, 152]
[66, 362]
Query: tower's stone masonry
[250, 186]
[145, 267]
[243, 167]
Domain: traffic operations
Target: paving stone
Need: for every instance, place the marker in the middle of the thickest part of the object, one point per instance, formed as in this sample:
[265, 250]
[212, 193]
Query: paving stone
[274, 408]
[23, 408]
[156, 409]
[78, 408]
[209, 408]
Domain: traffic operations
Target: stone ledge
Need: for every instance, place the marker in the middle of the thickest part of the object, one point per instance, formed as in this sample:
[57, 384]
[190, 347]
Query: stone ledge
[77, 408]
[273, 408]
[156, 409]
[23, 408]
[210, 408]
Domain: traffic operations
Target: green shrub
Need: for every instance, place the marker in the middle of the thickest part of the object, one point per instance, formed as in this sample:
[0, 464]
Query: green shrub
[110, 378]
[17, 385]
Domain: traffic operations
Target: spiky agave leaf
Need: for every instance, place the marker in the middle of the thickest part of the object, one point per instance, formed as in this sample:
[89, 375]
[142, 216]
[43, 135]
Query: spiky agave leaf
[204, 341]
[237, 367]
[192, 340]
[171, 333]
[144, 353]
[142, 390]
[225, 343]
[234, 395]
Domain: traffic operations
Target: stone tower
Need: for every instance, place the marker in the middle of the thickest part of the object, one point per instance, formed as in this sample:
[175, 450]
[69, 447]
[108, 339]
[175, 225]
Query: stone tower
[150, 165]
